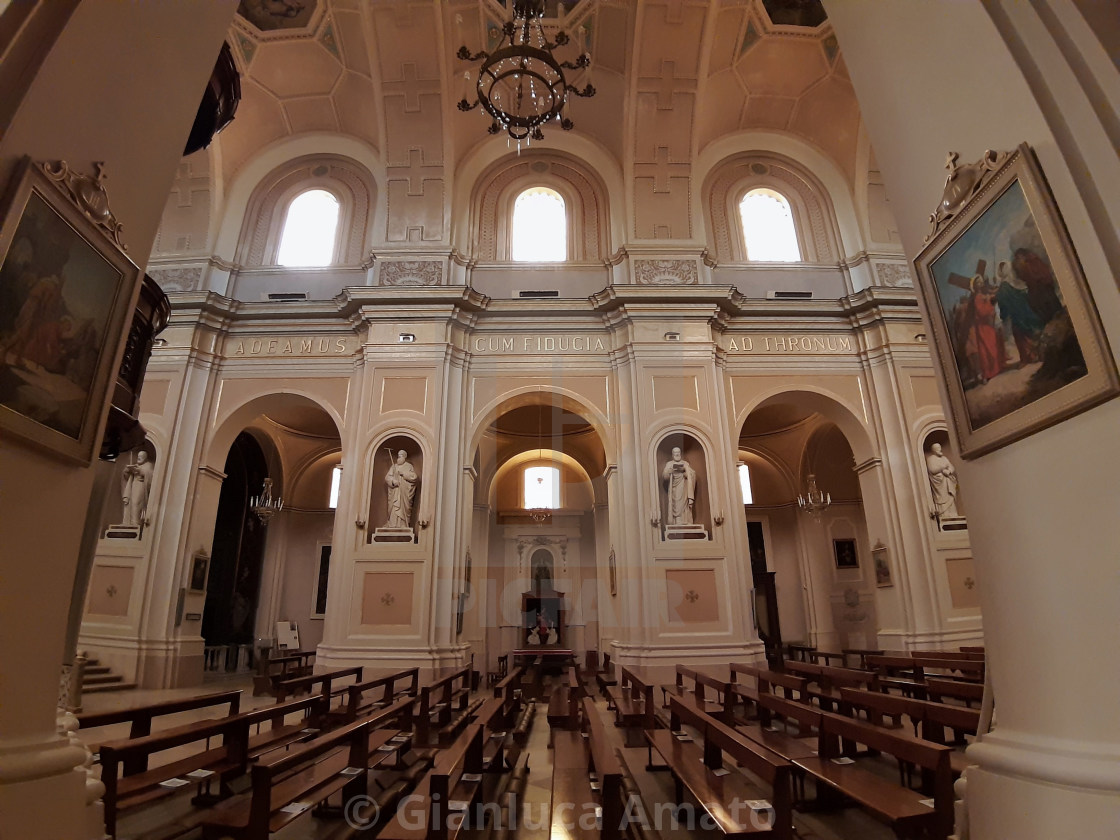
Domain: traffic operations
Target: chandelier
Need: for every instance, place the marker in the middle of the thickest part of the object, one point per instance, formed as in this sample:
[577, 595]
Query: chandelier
[814, 502]
[266, 506]
[521, 84]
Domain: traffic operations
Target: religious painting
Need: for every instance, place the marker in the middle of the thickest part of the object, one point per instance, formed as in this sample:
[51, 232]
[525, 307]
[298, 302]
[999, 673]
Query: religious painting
[200, 570]
[322, 573]
[845, 552]
[882, 566]
[1017, 337]
[65, 290]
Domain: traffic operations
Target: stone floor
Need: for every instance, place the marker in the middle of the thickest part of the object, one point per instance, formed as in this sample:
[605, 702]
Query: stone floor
[656, 786]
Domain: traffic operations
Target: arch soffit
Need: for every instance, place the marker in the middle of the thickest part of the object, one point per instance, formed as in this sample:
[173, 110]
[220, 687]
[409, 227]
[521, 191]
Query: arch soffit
[311, 461]
[274, 156]
[829, 405]
[586, 154]
[524, 459]
[808, 158]
[238, 418]
[530, 395]
[777, 464]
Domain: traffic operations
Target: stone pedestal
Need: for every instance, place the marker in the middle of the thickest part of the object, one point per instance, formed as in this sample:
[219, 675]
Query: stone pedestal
[686, 532]
[122, 532]
[393, 535]
[953, 523]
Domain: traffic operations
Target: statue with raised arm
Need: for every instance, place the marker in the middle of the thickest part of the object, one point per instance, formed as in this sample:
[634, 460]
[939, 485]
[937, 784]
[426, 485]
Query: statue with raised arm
[680, 482]
[401, 480]
[942, 482]
[136, 486]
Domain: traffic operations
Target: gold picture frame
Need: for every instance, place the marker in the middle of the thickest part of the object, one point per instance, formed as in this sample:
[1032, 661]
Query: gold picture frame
[1015, 331]
[200, 572]
[66, 290]
[880, 561]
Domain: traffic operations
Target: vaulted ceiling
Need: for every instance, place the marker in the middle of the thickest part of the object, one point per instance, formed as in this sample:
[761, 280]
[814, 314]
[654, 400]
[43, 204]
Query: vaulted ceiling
[672, 77]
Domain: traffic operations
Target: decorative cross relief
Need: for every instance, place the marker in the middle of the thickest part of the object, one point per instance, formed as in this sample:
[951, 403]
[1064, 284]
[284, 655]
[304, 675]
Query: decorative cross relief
[411, 87]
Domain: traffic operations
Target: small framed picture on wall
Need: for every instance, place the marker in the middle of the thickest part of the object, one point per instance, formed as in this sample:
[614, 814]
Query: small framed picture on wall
[846, 555]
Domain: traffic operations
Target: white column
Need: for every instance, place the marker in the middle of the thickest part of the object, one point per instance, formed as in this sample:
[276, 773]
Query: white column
[968, 76]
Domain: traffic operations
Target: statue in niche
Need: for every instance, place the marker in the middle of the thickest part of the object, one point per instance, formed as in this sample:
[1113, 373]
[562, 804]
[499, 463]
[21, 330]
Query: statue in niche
[136, 487]
[541, 570]
[680, 482]
[401, 480]
[942, 482]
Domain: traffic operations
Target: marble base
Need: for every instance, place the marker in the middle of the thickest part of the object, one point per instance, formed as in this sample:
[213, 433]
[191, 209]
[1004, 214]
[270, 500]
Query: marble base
[686, 532]
[122, 532]
[953, 523]
[393, 535]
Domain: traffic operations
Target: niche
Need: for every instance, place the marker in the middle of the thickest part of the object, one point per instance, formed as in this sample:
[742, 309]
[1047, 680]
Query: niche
[397, 485]
[128, 507]
[680, 479]
[940, 467]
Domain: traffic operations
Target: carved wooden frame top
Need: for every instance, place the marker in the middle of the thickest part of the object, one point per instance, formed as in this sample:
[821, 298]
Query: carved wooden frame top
[813, 214]
[347, 180]
[584, 197]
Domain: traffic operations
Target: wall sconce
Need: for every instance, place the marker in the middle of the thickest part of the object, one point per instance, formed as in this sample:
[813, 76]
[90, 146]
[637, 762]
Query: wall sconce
[655, 520]
[718, 519]
[360, 524]
[423, 523]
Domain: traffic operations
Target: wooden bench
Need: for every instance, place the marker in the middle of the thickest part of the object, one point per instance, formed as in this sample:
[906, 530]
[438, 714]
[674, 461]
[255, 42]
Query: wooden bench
[632, 701]
[907, 811]
[286, 786]
[605, 676]
[124, 764]
[326, 680]
[432, 812]
[829, 681]
[970, 670]
[509, 685]
[443, 698]
[965, 692]
[710, 694]
[791, 686]
[721, 791]
[281, 666]
[586, 781]
[564, 705]
[828, 656]
[393, 687]
[860, 655]
[141, 717]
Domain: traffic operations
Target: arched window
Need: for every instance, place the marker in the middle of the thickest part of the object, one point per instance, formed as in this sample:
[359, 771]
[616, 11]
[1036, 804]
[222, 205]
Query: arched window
[542, 488]
[540, 227]
[768, 228]
[310, 230]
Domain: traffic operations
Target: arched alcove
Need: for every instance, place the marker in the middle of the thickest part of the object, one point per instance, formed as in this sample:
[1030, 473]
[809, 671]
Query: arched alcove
[395, 495]
[683, 484]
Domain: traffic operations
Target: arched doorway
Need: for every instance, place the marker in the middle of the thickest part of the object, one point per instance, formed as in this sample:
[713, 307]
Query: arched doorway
[540, 523]
[268, 577]
[811, 570]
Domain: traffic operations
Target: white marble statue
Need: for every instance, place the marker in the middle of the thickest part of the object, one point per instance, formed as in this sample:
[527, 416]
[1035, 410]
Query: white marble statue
[942, 482]
[680, 481]
[136, 486]
[401, 480]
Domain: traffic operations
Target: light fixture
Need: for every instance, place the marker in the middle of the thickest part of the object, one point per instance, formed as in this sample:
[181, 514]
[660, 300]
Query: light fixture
[266, 506]
[814, 502]
[521, 84]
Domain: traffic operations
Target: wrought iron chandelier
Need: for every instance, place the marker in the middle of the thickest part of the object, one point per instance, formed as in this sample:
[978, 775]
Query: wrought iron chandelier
[521, 84]
[266, 506]
[814, 502]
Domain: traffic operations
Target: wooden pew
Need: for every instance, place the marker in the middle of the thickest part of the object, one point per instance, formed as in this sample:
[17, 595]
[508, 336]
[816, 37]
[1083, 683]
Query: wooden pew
[510, 684]
[633, 701]
[444, 698]
[792, 687]
[719, 790]
[455, 778]
[899, 672]
[141, 717]
[710, 694]
[326, 680]
[905, 810]
[860, 655]
[564, 705]
[586, 776]
[280, 666]
[970, 670]
[337, 761]
[828, 656]
[900, 807]
[829, 681]
[605, 676]
[393, 687]
[129, 784]
[967, 693]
